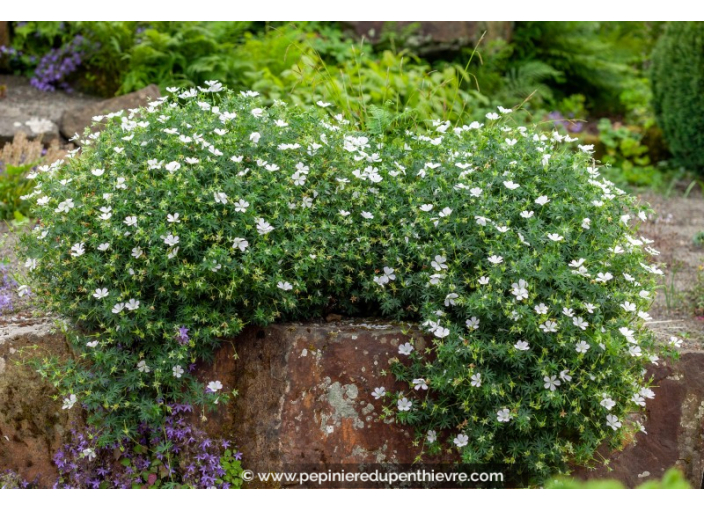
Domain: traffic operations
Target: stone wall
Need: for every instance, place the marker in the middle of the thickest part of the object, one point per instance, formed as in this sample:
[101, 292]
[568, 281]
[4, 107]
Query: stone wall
[305, 402]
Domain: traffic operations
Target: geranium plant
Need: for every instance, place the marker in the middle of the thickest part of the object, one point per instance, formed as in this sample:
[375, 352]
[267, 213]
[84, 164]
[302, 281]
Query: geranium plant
[184, 221]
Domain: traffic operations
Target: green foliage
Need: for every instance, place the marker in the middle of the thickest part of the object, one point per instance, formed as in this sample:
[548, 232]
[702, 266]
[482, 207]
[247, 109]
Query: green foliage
[672, 479]
[678, 85]
[623, 149]
[209, 211]
[233, 470]
[14, 185]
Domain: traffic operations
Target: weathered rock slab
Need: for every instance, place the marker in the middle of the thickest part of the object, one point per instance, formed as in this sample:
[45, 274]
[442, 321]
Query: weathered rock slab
[32, 424]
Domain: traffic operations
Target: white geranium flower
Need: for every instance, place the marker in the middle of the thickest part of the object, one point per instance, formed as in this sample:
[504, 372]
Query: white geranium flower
[522, 345]
[541, 309]
[118, 308]
[542, 200]
[220, 198]
[344, 213]
[214, 386]
[69, 401]
[379, 392]
[240, 243]
[130, 221]
[97, 172]
[461, 440]
[171, 240]
[137, 252]
[582, 347]
[284, 286]
[551, 382]
[677, 342]
[520, 290]
[472, 323]
[612, 421]
[555, 237]
[431, 437]
[100, 293]
[426, 207]
[549, 327]
[263, 227]
[580, 323]
[142, 367]
[527, 214]
[405, 349]
[476, 380]
[504, 415]
[564, 375]
[404, 404]
[177, 371]
[65, 206]
[173, 166]
[132, 304]
[367, 215]
[494, 259]
[484, 280]
[420, 384]
[173, 218]
[511, 184]
[604, 277]
[628, 306]
[78, 249]
[439, 263]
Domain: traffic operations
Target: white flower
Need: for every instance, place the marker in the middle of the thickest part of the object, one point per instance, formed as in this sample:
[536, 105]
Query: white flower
[367, 215]
[137, 252]
[272, 167]
[420, 384]
[612, 421]
[589, 307]
[484, 280]
[522, 345]
[647, 393]
[568, 312]
[504, 415]
[214, 386]
[492, 116]
[481, 220]
[472, 323]
[171, 240]
[441, 332]
[628, 333]
[494, 259]
[379, 392]
[78, 249]
[254, 137]
[520, 290]
[88, 453]
[475, 192]
[450, 299]
[604, 277]
[404, 404]
[263, 227]
[426, 207]
[257, 112]
[97, 172]
[502, 229]
[634, 350]
[142, 367]
[677, 342]
[284, 286]
[445, 212]
[551, 382]
[638, 399]
[240, 243]
[542, 200]
[23, 290]
[555, 237]
[65, 206]
[172, 253]
[628, 306]
[173, 218]
[564, 375]
[439, 263]
[580, 323]
[541, 309]
[386, 277]
[549, 327]
[527, 214]
[344, 213]
[511, 184]
[100, 293]
[582, 347]
[132, 304]
[323, 105]
[69, 401]
[405, 349]
[92, 344]
[172, 167]
[476, 380]
[177, 371]
[118, 307]
[607, 403]
[461, 440]
[586, 148]
[431, 437]
[130, 221]
[586, 222]
[192, 161]
[511, 141]
[220, 198]
[504, 110]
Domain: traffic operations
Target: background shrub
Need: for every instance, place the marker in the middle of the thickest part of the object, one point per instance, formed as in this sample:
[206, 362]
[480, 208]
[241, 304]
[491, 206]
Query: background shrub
[678, 85]
[182, 222]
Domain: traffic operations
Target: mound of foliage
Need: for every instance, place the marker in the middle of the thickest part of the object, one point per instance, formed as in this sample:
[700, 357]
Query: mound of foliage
[182, 222]
[678, 84]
